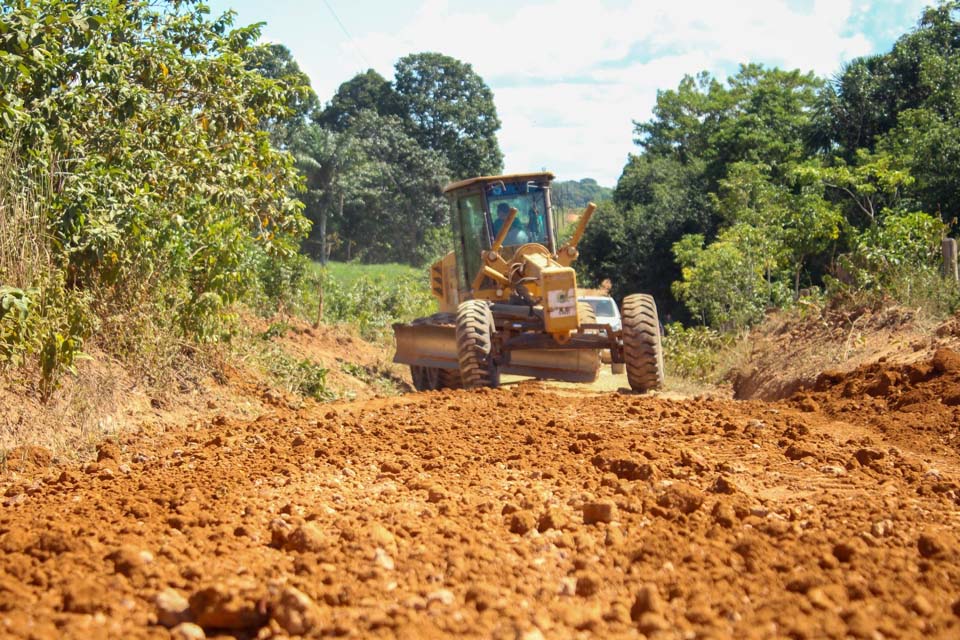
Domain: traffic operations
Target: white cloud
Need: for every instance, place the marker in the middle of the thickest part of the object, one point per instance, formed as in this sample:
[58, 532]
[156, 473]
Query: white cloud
[537, 57]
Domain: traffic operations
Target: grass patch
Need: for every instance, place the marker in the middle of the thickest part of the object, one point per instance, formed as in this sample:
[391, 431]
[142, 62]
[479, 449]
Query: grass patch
[347, 274]
[370, 297]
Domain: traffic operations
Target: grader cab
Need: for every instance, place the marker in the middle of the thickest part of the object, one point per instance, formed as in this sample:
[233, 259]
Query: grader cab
[507, 299]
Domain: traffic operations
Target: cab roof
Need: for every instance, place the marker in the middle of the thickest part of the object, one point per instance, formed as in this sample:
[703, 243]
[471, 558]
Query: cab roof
[512, 177]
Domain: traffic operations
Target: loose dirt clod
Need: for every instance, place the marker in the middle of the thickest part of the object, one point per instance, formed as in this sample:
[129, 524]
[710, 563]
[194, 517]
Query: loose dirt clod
[595, 512]
[187, 631]
[296, 613]
[236, 605]
[172, 608]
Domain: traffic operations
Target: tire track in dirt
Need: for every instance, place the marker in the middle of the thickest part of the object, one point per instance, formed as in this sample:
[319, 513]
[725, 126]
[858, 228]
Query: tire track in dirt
[505, 513]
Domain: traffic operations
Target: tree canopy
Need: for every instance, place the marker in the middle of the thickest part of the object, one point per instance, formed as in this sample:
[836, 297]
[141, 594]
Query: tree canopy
[775, 180]
[450, 109]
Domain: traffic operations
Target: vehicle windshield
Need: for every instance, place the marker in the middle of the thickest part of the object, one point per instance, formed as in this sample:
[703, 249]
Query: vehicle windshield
[603, 308]
[531, 204]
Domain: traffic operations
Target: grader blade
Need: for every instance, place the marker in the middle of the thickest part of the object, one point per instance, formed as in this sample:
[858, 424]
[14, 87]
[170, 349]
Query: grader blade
[568, 365]
[435, 345]
[426, 345]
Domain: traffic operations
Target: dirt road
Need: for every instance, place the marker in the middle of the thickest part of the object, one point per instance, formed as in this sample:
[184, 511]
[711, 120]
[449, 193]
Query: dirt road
[511, 513]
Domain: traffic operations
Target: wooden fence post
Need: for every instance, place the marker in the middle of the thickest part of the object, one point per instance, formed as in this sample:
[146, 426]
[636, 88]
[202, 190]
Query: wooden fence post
[949, 249]
[319, 304]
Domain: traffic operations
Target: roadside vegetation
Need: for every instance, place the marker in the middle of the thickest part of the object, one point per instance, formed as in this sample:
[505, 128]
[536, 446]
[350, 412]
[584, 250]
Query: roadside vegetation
[160, 173]
[779, 189]
[163, 175]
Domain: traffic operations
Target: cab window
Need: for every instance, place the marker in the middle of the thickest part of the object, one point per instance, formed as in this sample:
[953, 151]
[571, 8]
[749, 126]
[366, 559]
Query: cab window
[471, 230]
[531, 204]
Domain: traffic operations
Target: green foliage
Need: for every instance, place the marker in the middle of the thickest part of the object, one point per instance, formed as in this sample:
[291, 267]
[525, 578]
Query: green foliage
[450, 110]
[48, 324]
[274, 61]
[368, 91]
[900, 243]
[762, 115]
[794, 219]
[869, 187]
[692, 353]
[380, 153]
[730, 282]
[397, 194]
[657, 201]
[15, 319]
[778, 180]
[905, 103]
[574, 194]
[167, 195]
[297, 375]
[369, 297]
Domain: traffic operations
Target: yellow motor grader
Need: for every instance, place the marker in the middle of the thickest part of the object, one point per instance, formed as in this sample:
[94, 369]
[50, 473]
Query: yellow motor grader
[508, 299]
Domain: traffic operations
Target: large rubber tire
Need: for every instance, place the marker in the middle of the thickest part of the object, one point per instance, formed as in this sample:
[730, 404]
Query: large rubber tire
[450, 379]
[588, 316]
[434, 378]
[642, 349]
[475, 345]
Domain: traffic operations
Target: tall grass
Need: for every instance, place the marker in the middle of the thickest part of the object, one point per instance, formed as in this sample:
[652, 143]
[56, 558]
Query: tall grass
[25, 257]
[42, 322]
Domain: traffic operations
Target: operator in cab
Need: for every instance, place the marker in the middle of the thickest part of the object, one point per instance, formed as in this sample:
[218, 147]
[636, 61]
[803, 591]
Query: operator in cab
[516, 235]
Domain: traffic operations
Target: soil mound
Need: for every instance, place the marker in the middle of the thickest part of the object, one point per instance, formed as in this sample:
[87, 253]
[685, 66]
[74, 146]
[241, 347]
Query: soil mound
[789, 351]
[903, 402]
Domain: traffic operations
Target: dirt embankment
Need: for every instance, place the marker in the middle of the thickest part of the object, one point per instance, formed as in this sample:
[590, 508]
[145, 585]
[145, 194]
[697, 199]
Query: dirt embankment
[509, 513]
[788, 352]
[107, 398]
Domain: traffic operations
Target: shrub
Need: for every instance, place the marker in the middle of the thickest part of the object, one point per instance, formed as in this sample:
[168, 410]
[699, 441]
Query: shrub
[692, 353]
[136, 185]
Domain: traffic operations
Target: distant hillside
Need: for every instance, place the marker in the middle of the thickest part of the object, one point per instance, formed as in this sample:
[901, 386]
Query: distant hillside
[573, 194]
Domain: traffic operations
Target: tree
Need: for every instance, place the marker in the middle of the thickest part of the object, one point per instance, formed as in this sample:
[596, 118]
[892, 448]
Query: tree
[398, 200]
[871, 186]
[904, 103]
[657, 201]
[683, 119]
[275, 61]
[367, 91]
[726, 284]
[332, 164]
[794, 220]
[450, 110]
[573, 194]
[763, 115]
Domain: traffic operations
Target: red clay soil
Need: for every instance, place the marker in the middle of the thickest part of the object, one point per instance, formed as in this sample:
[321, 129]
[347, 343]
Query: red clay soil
[510, 513]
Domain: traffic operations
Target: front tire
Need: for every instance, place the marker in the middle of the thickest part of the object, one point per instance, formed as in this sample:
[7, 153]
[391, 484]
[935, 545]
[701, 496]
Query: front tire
[475, 330]
[588, 316]
[642, 349]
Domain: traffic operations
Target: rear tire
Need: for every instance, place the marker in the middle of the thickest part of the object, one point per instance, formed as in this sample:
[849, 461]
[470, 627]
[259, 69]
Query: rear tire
[450, 379]
[642, 349]
[475, 330]
[588, 316]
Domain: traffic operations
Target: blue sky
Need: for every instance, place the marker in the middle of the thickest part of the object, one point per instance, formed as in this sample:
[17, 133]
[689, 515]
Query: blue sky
[570, 76]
